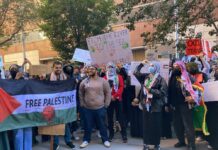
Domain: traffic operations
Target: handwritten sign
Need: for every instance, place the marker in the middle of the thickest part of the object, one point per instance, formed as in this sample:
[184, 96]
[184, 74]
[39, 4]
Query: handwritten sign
[82, 55]
[193, 47]
[210, 91]
[110, 47]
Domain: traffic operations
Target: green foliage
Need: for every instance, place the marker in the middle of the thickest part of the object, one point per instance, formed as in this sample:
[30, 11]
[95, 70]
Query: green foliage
[68, 23]
[15, 15]
[185, 12]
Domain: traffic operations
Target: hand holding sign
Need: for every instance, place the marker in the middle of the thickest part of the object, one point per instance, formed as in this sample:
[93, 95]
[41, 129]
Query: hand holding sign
[193, 47]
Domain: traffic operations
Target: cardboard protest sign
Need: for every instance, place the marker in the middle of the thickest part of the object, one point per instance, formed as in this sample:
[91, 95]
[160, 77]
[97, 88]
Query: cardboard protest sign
[110, 47]
[193, 47]
[82, 55]
[40, 69]
[52, 130]
[210, 91]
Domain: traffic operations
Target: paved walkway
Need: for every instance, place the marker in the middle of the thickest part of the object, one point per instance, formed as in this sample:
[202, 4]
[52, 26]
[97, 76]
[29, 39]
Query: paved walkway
[133, 144]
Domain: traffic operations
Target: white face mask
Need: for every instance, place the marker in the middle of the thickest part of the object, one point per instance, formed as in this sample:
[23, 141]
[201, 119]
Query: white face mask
[82, 75]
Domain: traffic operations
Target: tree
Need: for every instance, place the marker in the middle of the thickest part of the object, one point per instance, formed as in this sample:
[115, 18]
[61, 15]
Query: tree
[15, 15]
[67, 23]
[168, 13]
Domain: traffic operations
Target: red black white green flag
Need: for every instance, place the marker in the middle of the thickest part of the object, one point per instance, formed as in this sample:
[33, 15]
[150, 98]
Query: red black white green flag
[29, 103]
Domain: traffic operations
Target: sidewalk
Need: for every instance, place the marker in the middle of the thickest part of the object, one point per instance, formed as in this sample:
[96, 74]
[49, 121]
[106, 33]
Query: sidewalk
[133, 144]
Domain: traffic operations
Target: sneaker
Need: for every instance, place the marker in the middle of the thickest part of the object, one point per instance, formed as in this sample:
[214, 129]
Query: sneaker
[84, 144]
[56, 146]
[70, 145]
[209, 147]
[107, 144]
[199, 139]
[178, 145]
[98, 134]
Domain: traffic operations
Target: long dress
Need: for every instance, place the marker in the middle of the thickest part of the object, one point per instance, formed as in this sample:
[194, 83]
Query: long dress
[136, 117]
[212, 122]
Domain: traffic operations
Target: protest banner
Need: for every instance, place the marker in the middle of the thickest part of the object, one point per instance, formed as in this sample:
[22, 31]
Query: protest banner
[36, 103]
[193, 47]
[82, 55]
[210, 91]
[110, 47]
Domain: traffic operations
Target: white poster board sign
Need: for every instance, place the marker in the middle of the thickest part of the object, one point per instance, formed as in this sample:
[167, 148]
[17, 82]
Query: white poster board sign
[82, 55]
[110, 47]
[210, 91]
[164, 70]
[1, 68]
[133, 66]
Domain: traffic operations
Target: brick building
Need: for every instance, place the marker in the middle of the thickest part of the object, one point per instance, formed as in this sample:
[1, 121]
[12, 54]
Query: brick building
[40, 51]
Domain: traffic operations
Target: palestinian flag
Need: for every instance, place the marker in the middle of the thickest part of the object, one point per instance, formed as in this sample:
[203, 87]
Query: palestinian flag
[200, 111]
[29, 103]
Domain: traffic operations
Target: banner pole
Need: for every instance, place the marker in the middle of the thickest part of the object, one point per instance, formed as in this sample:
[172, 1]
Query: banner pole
[52, 142]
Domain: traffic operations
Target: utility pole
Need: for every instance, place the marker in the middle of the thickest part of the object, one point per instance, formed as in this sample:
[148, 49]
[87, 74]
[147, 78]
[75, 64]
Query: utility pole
[176, 29]
[23, 38]
[23, 44]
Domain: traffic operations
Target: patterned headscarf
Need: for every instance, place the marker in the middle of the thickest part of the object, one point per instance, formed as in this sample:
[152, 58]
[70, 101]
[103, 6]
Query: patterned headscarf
[186, 80]
[112, 75]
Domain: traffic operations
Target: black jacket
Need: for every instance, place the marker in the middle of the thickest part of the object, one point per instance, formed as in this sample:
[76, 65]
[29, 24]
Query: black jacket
[158, 90]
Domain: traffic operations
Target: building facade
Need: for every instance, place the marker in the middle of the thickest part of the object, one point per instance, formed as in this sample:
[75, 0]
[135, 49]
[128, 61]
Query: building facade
[39, 50]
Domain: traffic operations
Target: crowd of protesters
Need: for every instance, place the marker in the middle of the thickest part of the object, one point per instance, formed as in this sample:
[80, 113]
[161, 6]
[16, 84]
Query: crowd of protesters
[108, 103]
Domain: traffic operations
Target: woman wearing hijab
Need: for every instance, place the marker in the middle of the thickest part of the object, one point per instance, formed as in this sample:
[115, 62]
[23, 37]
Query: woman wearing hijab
[152, 98]
[117, 85]
[181, 97]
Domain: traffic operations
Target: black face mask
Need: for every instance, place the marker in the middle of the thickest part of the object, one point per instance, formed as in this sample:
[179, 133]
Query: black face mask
[69, 71]
[176, 72]
[13, 74]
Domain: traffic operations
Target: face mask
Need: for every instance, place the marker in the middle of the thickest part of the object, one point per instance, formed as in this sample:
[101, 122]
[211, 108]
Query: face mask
[151, 70]
[82, 75]
[176, 72]
[13, 74]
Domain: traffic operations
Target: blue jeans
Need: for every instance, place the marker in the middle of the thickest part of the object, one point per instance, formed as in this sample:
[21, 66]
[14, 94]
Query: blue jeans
[90, 118]
[67, 136]
[23, 139]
